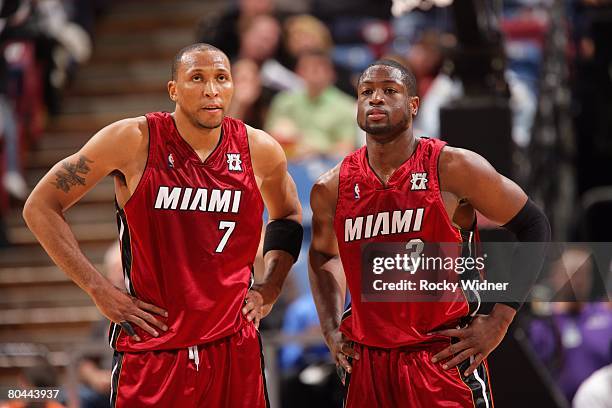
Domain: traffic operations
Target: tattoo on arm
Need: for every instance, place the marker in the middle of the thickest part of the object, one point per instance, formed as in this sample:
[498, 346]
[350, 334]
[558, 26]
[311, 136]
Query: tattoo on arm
[70, 174]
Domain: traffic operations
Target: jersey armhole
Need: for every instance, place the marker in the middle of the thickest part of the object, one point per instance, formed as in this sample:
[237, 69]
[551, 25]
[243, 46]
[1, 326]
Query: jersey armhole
[435, 162]
[342, 164]
[246, 150]
[147, 168]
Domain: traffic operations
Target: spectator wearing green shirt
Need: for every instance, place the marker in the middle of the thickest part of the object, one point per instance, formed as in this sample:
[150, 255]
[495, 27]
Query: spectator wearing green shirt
[318, 120]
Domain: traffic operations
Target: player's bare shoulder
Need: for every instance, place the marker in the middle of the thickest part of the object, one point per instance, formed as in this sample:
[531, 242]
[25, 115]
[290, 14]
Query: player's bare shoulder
[135, 135]
[131, 133]
[459, 167]
[267, 155]
[455, 158]
[324, 193]
[122, 141]
[121, 148]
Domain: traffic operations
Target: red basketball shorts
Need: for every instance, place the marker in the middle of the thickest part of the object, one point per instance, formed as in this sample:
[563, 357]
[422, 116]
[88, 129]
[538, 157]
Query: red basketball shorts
[389, 378]
[225, 373]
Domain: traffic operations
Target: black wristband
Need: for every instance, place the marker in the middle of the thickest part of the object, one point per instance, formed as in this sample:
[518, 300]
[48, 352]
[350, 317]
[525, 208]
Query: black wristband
[284, 235]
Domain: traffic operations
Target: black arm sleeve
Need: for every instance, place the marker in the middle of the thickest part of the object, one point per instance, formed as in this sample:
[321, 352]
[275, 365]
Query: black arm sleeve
[530, 226]
[285, 235]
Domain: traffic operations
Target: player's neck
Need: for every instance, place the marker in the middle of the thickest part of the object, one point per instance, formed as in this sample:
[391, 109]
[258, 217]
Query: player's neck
[385, 157]
[200, 139]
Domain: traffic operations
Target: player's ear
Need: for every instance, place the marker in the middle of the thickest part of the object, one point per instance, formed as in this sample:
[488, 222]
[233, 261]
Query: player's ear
[414, 105]
[172, 90]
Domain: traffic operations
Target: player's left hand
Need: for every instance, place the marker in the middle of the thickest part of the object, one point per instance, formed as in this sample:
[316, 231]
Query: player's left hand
[253, 308]
[478, 339]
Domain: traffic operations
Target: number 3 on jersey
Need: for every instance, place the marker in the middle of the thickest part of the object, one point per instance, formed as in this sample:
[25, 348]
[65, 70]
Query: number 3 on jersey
[229, 227]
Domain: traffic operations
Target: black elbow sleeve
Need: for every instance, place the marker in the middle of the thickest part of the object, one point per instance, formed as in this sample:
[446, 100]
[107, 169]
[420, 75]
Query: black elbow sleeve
[530, 224]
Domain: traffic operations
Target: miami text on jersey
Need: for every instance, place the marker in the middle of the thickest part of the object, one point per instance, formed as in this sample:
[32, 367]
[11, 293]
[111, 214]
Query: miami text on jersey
[202, 199]
[383, 223]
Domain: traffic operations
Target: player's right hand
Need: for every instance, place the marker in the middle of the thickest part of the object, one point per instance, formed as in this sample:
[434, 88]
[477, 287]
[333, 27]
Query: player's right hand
[124, 310]
[341, 349]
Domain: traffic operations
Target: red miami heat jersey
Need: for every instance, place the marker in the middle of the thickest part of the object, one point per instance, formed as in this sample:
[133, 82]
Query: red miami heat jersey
[189, 235]
[412, 194]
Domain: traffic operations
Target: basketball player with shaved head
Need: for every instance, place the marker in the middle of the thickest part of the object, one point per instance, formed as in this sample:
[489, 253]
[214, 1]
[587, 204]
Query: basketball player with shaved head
[408, 354]
[190, 190]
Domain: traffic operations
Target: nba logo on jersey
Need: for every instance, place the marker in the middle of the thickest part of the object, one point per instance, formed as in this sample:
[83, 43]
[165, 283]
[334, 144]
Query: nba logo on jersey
[356, 191]
[171, 161]
[234, 162]
[419, 181]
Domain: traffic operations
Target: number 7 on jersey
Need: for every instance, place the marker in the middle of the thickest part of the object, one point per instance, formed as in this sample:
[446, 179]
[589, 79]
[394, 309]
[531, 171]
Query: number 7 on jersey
[229, 227]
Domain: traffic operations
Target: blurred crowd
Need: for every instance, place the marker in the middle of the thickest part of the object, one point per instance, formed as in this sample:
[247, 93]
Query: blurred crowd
[41, 44]
[295, 66]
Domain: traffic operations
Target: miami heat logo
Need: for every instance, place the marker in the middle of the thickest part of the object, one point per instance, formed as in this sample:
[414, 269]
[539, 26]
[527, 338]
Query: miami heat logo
[234, 162]
[171, 161]
[419, 181]
[356, 189]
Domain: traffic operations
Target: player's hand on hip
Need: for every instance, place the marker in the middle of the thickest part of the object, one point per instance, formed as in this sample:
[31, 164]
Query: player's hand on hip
[476, 340]
[253, 308]
[124, 310]
[341, 349]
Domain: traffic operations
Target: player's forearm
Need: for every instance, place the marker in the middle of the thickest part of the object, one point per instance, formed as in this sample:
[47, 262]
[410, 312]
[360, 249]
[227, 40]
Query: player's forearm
[282, 244]
[277, 266]
[328, 290]
[52, 231]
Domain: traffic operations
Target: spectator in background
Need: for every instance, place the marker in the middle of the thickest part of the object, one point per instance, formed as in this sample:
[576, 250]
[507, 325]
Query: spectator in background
[12, 14]
[301, 318]
[251, 100]
[319, 120]
[304, 33]
[440, 89]
[35, 38]
[595, 391]
[574, 340]
[12, 183]
[425, 59]
[38, 47]
[223, 30]
[64, 45]
[259, 42]
[60, 44]
[12, 180]
[308, 374]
